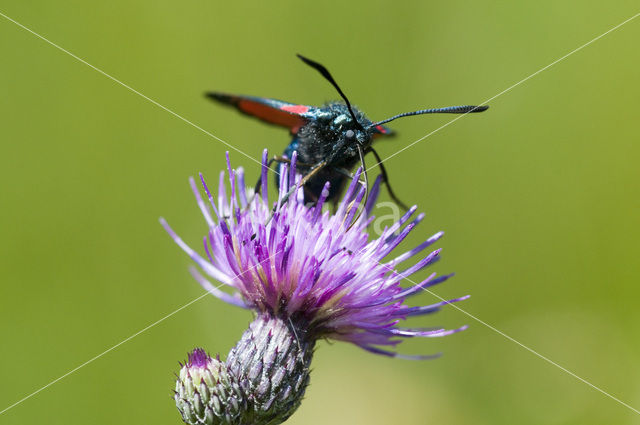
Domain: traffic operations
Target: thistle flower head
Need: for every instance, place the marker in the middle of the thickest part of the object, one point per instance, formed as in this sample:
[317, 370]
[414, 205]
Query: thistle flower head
[320, 271]
[307, 274]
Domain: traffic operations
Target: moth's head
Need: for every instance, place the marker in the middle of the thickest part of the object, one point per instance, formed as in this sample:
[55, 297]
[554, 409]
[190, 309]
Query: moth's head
[363, 125]
[348, 127]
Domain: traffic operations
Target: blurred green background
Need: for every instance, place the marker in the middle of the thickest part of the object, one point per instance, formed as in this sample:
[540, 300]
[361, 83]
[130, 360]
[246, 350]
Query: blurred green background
[539, 196]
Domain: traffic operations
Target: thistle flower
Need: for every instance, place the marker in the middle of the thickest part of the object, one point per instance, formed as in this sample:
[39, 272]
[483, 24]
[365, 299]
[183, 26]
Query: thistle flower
[307, 274]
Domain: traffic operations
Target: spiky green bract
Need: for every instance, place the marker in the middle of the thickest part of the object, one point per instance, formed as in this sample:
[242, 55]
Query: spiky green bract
[272, 361]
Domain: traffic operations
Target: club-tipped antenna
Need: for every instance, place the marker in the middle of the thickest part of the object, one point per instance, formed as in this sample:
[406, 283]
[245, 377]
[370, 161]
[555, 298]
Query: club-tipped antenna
[464, 109]
[327, 75]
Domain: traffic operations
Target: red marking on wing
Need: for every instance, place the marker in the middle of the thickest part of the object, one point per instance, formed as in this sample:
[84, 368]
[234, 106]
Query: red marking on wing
[296, 109]
[273, 115]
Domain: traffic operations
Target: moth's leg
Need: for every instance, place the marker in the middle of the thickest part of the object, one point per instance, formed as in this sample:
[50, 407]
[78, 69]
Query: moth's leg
[366, 188]
[276, 158]
[315, 170]
[385, 179]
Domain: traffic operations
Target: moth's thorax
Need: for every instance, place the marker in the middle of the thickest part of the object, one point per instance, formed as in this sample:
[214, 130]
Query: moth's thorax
[334, 137]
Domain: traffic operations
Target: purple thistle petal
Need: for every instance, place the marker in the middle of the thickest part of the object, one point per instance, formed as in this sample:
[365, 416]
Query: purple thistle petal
[206, 190]
[400, 356]
[229, 169]
[265, 189]
[233, 202]
[417, 311]
[423, 333]
[323, 197]
[283, 183]
[373, 196]
[449, 332]
[418, 249]
[212, 271]
[292, 169]
[392, 244]
[201, 204]
[198, 358]
[427, 283]
[353, 210]
[402, 220]
[420, 264]
[348, 196]
[242, 188]
[215, 291]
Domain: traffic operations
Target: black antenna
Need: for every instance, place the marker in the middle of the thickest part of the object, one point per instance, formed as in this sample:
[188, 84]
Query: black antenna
[325, 73]
[465, 109]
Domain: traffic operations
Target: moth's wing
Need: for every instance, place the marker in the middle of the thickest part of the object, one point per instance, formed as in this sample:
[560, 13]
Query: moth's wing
[381, 130]
[272, 111]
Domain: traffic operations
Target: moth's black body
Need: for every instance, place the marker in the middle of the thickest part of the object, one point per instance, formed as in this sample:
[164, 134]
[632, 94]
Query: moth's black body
[325, 139]
[330, 140]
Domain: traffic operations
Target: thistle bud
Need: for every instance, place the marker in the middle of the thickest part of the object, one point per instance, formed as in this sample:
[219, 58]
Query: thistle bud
[205, 392]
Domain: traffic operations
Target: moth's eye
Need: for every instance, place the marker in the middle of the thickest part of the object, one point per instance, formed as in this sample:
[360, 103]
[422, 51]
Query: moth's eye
[349, 134]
